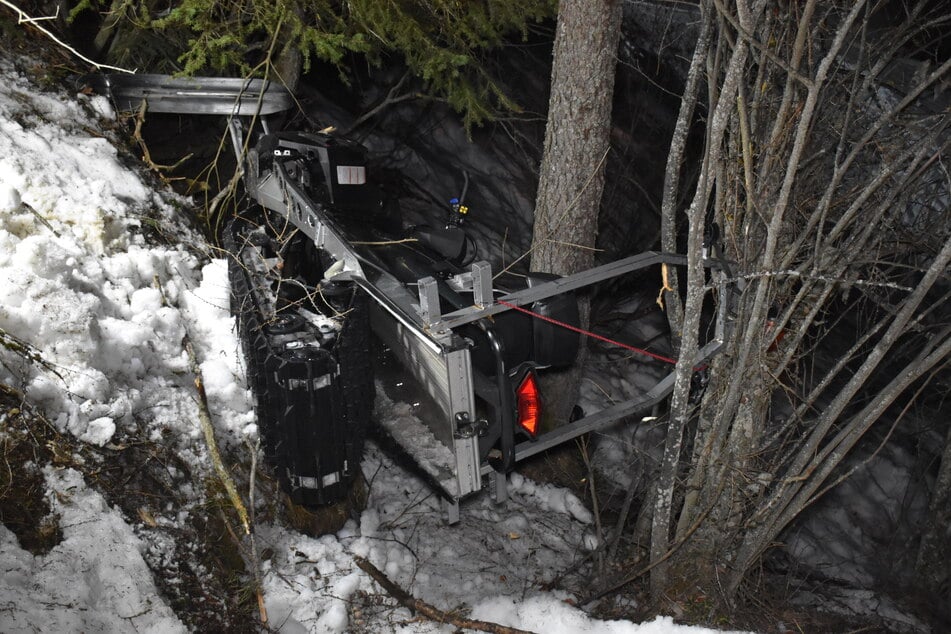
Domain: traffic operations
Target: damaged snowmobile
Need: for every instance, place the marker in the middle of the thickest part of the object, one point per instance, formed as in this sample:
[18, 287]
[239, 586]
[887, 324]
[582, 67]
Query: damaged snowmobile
[320, 265]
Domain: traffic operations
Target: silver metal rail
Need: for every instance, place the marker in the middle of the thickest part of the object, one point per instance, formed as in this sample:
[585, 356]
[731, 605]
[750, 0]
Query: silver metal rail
[194, 95]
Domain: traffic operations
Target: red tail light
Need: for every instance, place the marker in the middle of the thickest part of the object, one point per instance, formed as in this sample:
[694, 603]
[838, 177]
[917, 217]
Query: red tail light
[529, 404]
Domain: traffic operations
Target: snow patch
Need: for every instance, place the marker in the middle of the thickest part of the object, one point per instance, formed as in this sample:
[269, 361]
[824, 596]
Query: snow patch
[95, 580]
[545, 613]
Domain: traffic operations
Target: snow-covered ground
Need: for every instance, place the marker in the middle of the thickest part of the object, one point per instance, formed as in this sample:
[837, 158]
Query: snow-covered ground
[108, 309]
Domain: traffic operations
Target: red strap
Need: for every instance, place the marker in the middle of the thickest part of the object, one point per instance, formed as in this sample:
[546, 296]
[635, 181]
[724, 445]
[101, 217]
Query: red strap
[587, 333]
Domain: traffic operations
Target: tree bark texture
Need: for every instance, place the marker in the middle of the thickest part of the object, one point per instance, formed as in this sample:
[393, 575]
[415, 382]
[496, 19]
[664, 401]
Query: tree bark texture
[571, 178]
[675, 159]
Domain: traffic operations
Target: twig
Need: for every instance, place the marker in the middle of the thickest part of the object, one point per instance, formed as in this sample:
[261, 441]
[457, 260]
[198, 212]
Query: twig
[229, 190]
[773, 57]
[25, 350]
[430, 612]
[24, 18]
[583, 446]
[249, 551]
[38, 216]
[632, 489]
[146, 155]
[381, 243]
[536, 243]
[204, 417]
[575, 246]
[391, 98]
[255, 558]
[806, 276]
[626, 579]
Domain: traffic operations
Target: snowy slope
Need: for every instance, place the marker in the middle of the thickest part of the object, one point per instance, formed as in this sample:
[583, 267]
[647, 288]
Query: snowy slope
[81, 284]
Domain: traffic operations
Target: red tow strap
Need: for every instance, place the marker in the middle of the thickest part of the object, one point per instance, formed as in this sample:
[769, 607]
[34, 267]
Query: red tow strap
[587, 333]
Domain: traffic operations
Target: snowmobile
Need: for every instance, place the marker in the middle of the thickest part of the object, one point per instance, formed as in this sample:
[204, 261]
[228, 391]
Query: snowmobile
[321, 264]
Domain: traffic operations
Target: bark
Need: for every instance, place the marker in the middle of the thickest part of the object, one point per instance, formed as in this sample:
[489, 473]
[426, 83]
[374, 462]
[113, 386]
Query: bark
[675, 158]
[663, 503]
[571, 177]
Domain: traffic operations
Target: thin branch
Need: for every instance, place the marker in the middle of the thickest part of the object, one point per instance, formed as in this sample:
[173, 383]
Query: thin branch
[814, 278]
[25, 350]
[391, 98]
[748, 37]
[204, 418]
[811, 466]
[425, 609]
[626, 579]
[255, 556]
[24, 18]
[675, 159]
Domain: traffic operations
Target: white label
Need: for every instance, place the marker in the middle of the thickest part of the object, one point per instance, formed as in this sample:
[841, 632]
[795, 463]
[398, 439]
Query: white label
[351, 174]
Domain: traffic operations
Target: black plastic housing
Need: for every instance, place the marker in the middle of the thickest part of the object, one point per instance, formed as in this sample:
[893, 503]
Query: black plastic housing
[554, 345]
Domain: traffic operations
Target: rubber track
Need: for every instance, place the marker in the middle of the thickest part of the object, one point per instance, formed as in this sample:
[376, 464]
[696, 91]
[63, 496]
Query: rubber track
[312, 429]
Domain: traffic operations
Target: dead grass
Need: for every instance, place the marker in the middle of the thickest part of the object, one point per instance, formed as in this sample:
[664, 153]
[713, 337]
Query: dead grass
[191, 549]
[189, 546]
[27, 443]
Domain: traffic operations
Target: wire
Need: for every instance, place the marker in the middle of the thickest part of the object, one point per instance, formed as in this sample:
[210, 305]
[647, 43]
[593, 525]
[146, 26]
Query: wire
[588, 333]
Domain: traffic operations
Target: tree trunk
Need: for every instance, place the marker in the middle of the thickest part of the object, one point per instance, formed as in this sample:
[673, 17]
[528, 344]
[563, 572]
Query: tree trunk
[572, 170]
[680, 409]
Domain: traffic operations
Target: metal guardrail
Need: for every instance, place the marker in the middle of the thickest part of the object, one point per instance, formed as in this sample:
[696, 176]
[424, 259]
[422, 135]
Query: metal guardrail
[194, 95]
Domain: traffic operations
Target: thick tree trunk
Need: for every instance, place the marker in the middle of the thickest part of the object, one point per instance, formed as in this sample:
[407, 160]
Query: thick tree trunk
[576, 147]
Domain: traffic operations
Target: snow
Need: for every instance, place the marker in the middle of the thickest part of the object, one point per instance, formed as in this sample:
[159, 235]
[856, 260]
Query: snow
[109, 311]
[95, 580]
[878, 509]
[557, 617]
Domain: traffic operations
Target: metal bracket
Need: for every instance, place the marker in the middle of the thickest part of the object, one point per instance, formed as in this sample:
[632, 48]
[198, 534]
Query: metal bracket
[429, 301]
[450, 510]
[468, 428]
[482, 283]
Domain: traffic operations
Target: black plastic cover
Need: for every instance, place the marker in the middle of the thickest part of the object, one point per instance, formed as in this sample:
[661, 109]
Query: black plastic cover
[554, 345]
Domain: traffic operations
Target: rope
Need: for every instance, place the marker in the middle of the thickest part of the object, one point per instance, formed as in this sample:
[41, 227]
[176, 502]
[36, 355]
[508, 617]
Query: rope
[666, 287]
[587, 333]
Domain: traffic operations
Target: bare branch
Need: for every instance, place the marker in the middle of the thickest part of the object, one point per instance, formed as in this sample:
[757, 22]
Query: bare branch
[430, 612]
[24, 18]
